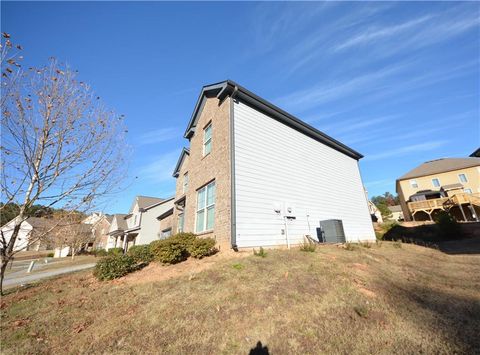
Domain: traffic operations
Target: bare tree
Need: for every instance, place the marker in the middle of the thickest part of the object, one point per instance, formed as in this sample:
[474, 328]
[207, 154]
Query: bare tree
[72, 233]
[60, 145]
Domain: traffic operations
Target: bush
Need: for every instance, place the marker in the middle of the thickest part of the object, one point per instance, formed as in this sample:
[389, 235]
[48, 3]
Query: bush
[201, 247]
[115, 251]
[50, 255]
[114, 266]
[261, 253]
[309, 247]
[448, 226]
[140, 253]
[168, 251]
[184, 239]
[101, 252]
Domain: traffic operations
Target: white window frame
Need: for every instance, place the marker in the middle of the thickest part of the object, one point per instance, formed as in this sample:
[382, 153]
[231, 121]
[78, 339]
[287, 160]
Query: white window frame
[181, 217]
[209, 140]
[205, 208]
[464, 175]
[414, 183]
[439, 183]
[185, 182]
[164, 233]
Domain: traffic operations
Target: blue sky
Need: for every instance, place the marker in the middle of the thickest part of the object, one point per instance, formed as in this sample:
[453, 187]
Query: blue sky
[399, 82]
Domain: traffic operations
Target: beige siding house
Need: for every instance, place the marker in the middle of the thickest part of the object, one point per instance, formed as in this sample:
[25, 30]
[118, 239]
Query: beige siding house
[254, 175]
[451, 184]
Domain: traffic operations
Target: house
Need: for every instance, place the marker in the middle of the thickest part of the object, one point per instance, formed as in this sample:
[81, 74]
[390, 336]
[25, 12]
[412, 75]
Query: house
[141, 225]
[100, 231]
[254, 175]
[451, 184]
[476, 153]
[397, 213]
[34, 233]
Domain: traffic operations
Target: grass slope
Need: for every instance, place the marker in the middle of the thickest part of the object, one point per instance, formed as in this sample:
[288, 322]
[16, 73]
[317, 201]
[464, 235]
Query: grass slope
[381, 299]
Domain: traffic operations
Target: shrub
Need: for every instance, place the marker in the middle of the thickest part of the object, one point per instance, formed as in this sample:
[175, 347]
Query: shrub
[115, 251]
[308, 247]
[448, 226]
[184, 239]
[141, 253]
[50, 255]
[101, 252]
[261, 252]
[201, 247]
[168, 251]
[113, 266]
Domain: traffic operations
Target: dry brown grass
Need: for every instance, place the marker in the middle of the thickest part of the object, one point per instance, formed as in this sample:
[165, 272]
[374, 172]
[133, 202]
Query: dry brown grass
[367, 300]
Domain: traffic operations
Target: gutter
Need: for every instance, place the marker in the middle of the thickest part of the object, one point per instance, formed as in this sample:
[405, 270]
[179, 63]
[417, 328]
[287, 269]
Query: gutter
[233, 212]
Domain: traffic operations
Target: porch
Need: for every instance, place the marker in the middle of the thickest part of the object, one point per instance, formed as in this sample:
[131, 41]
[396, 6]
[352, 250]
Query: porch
[463, 206]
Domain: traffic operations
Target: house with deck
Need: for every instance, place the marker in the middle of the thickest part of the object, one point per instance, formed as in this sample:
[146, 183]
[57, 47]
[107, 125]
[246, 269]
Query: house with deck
[448, 184]
[254, 175]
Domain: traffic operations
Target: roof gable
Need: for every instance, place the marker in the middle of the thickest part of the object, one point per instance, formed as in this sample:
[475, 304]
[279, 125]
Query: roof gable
[183, 154]
[232, 89]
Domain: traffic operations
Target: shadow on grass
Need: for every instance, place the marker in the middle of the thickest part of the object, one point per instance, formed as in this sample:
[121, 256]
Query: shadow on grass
[430, 236]
[259, 350]
[453, 317]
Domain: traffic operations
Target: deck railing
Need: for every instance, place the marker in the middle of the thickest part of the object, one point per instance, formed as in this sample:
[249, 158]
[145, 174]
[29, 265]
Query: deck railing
[438, 203]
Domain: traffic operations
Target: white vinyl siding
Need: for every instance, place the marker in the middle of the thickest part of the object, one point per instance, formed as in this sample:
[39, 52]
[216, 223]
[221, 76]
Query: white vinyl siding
[278, 167]
[205, 208]
[207, 139]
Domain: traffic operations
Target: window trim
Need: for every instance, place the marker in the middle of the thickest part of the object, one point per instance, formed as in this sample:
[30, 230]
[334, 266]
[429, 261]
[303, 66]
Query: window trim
[439, 183]
[413, 183]
[209, 140]
[181, 215]
[205, 208]
[185, 182]
[464, 175]
[169, 229]
[469, 189]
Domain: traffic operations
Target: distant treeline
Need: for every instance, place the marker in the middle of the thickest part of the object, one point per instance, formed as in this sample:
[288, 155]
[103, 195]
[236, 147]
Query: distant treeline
[10, 210]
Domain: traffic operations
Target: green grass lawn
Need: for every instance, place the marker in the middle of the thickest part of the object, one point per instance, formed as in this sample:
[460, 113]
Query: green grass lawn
[387, 298]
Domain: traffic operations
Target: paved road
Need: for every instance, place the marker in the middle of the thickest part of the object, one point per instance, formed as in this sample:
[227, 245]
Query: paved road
[15, 280]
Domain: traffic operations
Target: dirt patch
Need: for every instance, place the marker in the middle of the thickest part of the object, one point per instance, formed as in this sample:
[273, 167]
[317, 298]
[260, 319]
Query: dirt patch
[158, 272]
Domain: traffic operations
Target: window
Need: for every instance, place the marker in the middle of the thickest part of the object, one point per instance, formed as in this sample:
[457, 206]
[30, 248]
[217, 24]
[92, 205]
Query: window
[185, 182]
[205, 208]
[207, 139]
[462, 177]
[467, 191]
[436, 182]
[181, 221]
[413, 183]
[166, 233]
[135, 220]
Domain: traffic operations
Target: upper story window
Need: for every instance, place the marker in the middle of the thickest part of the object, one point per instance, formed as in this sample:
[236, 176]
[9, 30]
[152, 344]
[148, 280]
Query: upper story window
[435, 182]
[185, 182]
[467, 191]
[205, 208]
[135, 220]
[413, 183]
[181, 222]
[462, 177]
[207, 139]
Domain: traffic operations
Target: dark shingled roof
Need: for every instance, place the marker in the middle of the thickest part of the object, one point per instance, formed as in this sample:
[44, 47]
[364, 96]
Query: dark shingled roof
[145, 201]
[440, 166]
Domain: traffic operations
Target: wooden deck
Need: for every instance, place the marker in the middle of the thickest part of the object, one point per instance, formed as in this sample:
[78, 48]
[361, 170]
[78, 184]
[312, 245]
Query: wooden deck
[444, 203]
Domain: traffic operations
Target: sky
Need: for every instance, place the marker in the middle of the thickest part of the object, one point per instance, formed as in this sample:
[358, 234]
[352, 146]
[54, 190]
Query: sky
[396, 81]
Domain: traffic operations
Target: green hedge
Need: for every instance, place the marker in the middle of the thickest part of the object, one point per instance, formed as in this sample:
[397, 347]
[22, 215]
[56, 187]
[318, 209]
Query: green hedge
[184, 239]
[115, 251]
[141, 253]
[114, 266]
[202, 247]
[168, 251]
[101, 252]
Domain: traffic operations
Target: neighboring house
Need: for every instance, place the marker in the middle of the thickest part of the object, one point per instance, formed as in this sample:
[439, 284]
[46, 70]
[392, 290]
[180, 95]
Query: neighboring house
[254, 175]
[476, 153]
[117, 231]
[141, 225]
[451, 184]
[375, 213]
[30, 229]
[397, 213]
[100, 231]
[93, 218]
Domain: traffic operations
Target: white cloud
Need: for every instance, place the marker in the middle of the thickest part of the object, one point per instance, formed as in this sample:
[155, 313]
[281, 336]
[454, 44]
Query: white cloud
[160, 169]
[415, 148]
[157, 136]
